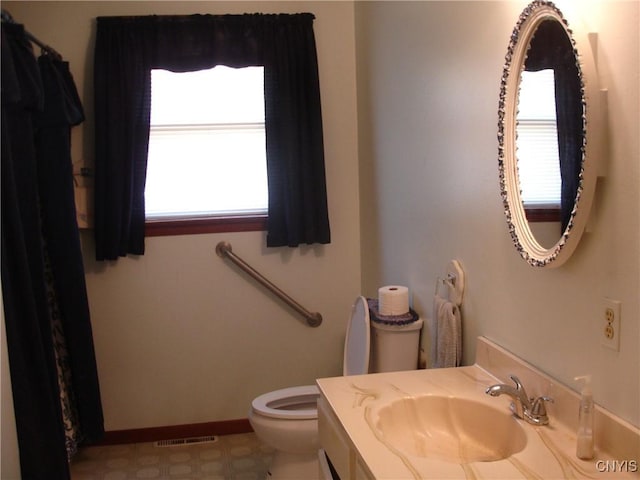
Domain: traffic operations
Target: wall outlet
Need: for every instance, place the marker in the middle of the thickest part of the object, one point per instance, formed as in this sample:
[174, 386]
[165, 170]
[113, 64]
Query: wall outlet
[610, 324]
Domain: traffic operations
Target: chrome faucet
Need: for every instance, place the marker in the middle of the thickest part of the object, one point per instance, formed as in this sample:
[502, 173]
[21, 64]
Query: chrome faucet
[530, 409]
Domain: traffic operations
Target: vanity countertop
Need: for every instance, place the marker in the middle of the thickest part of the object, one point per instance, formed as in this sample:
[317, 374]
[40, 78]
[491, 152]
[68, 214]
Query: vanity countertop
[549, 452]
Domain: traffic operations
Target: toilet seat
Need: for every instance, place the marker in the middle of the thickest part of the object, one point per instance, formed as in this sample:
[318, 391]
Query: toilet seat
[300, 403]
[294, 403]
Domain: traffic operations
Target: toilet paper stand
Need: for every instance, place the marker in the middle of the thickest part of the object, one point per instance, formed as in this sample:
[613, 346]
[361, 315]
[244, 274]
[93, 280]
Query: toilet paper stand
[454, 281]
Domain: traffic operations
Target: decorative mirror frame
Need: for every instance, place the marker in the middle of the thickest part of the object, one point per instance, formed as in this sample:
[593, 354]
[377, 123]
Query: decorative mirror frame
[525, 242]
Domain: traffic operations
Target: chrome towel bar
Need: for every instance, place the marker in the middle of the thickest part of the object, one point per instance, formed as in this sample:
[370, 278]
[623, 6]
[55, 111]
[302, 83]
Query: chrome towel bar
[224, 250]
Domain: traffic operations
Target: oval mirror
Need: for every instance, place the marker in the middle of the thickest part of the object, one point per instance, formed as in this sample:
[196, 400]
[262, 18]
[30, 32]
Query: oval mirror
[547, 136]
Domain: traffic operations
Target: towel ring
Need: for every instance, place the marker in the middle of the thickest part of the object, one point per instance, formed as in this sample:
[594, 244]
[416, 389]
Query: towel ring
[454, 281]
[449, 281]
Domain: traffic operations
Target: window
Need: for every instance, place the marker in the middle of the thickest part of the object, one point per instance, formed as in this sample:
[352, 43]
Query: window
[538, 158]
[128, 48]
[206, 159]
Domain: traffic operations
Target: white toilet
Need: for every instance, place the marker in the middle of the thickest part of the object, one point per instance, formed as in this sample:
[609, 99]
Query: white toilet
[287, 419]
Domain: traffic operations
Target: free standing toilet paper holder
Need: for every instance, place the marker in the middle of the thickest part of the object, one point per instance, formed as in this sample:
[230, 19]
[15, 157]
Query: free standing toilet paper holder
[454, 281]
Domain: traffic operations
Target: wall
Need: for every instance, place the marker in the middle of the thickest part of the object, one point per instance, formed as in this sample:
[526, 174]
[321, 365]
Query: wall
[428, 84]
[9, 461]
[181, 336]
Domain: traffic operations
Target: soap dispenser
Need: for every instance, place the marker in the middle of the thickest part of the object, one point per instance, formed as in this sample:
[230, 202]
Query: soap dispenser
[584, 446]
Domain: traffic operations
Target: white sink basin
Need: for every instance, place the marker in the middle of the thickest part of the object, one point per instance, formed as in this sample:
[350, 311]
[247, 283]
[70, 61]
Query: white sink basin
[450, 429]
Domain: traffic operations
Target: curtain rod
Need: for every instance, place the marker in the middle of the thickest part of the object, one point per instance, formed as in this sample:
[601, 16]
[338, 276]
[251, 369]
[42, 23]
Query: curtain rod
[6, 17]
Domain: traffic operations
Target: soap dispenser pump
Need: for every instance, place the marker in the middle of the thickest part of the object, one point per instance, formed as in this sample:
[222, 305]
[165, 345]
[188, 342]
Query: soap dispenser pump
[584, 446]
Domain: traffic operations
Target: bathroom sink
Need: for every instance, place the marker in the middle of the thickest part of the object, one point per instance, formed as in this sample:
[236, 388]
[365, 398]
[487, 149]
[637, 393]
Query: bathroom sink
[450, 429]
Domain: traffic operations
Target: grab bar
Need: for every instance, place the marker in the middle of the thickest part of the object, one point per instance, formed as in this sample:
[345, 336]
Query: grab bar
[223, 249]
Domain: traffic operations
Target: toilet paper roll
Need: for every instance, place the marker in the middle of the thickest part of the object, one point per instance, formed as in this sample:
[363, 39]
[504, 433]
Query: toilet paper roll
[393, 300]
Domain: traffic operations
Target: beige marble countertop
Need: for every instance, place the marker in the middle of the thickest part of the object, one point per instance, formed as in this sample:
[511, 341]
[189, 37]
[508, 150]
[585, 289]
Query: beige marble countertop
[549, 452]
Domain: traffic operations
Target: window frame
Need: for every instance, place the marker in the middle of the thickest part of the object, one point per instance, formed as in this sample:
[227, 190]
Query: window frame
[206, 223]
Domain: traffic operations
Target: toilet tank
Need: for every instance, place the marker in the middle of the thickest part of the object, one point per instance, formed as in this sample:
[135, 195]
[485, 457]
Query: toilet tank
[394, 347]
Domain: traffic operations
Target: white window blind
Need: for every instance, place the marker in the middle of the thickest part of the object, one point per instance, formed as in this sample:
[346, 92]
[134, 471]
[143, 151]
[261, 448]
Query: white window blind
[538, 160]
[206, 144]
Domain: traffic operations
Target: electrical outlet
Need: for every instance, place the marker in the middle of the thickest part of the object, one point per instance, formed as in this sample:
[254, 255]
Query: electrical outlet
[610, 324]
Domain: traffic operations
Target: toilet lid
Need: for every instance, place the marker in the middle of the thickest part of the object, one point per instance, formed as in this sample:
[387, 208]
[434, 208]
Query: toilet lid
[356, 345]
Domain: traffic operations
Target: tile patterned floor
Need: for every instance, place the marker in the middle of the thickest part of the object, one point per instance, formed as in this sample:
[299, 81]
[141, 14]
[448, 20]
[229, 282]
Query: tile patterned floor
[231, 457]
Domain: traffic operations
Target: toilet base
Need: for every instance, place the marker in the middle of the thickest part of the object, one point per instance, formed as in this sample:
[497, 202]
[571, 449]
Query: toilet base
[294, 466]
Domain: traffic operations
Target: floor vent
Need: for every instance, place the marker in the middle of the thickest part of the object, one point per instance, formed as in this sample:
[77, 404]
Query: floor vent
[176, 442]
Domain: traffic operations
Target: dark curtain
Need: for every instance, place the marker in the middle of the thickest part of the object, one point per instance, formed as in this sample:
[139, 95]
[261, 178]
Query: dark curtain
[62, 110]
[128, 48]
[551, 48]
[41, 257]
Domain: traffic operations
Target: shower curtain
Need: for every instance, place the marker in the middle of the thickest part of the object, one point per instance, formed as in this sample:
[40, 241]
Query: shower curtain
[49, 340]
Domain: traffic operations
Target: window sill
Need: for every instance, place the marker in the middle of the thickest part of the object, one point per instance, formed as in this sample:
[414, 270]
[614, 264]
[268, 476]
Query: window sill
[535, 215]
[192, 226]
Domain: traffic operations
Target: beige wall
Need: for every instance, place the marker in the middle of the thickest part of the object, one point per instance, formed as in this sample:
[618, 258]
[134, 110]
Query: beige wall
[181, 336]
[9, 461]
[428, 84]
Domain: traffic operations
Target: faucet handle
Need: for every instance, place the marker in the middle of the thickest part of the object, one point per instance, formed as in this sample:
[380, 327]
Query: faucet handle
[538, 414]
[538, 408]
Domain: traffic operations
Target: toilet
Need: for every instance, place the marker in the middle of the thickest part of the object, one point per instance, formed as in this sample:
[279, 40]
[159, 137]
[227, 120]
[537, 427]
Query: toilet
[287, 419]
